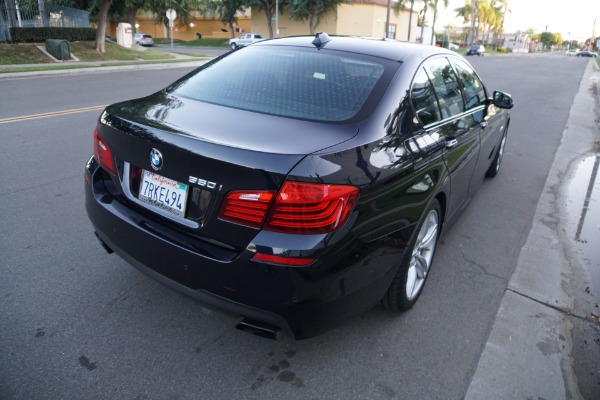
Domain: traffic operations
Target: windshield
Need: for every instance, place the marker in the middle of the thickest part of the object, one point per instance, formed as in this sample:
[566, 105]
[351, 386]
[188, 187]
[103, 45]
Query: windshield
[287, 81]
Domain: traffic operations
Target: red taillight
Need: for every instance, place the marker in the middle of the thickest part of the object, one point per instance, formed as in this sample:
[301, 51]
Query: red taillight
[304, 208]
[311, 208]
[103, 154]
[291, 261]
[246, 208]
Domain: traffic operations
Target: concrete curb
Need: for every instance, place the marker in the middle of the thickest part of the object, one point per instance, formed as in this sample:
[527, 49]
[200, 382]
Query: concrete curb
[529, 353]
[95, 70]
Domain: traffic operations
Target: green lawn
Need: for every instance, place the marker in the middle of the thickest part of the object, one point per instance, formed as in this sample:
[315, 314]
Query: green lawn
[28, 53]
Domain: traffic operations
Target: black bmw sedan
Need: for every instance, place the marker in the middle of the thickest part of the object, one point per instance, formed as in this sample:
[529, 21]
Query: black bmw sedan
[299, 181]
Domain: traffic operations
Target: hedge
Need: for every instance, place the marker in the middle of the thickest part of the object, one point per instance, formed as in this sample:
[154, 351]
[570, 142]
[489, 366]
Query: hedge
[39, 35]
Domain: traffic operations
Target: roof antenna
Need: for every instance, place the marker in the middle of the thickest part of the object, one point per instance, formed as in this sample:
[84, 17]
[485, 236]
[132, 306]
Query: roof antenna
[321, 39]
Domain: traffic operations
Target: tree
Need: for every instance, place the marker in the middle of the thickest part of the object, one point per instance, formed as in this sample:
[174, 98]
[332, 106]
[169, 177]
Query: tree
[500, 17]
[312, 10]
[131, 9]
[399, 6]
[10, 10]
[268, 7]
[43, 13]
[558, 40]
[434, 4]
[99, 10]
[225, 10]
[183, 8]
[101, 31]
[465, 12]
[549, 39]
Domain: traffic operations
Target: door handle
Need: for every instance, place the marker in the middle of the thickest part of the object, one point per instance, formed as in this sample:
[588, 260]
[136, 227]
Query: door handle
[451, 143]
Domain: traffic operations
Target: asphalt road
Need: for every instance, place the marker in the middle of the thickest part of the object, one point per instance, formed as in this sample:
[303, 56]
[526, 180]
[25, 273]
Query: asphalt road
[78, 323]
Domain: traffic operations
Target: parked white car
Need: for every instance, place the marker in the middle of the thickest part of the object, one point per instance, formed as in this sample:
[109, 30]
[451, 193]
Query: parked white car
[452, 46]
[143, 39]
[244, 40]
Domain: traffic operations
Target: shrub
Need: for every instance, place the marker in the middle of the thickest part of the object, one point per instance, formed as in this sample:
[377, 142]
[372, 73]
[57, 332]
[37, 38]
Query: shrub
[39, 35]
[502, 50]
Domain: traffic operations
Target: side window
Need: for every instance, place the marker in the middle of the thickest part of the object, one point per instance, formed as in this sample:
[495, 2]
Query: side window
[445, 84]
[423, 99]
[474, 89]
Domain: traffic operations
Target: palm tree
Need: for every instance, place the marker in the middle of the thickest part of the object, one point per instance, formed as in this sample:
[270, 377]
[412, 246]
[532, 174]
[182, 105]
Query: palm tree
[482, 9]
[412, 6]
[500, 21]
[465, 12]
[434, 4]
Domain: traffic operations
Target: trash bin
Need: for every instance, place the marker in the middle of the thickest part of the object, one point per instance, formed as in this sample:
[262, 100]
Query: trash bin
[59, 49]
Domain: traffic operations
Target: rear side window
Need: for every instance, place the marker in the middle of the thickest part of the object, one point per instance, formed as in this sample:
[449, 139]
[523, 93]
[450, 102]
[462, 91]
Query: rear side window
[288, 82]
[445, 84]
[424, 100]
[473, 88]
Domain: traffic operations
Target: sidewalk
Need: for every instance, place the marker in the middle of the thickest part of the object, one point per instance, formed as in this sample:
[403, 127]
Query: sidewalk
[544, 325]
[86, 67]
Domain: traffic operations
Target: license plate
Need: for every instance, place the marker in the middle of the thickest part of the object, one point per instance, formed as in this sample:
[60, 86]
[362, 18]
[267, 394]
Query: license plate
[164, 193]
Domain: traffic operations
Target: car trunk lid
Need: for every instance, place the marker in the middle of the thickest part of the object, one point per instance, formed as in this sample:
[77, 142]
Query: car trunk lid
[209, 151]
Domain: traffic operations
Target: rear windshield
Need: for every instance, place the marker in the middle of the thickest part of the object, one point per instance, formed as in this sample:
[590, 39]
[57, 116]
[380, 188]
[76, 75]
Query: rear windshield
[289, 82]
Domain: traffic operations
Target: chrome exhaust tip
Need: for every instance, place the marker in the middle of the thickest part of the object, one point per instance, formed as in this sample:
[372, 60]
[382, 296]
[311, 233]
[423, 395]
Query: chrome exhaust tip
[258, 328]
[104, 245]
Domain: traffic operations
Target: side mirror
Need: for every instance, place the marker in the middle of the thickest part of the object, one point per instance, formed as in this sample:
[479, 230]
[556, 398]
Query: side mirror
[503, 100]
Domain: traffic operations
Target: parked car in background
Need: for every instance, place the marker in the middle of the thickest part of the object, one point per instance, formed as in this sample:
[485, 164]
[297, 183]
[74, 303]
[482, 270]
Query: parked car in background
[299, 182]
[476, 50]
[586, 53]
[453, 46]
[143, 39]
[244, 40]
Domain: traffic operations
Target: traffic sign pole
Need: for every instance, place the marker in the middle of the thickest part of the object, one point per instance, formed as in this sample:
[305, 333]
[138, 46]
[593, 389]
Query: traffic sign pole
[171, 15]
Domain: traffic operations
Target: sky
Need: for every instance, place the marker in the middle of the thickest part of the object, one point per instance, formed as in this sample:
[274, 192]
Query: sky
[573, 19]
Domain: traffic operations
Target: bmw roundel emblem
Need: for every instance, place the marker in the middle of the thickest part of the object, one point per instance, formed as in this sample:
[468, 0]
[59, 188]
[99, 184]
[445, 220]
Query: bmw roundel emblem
[156, 159]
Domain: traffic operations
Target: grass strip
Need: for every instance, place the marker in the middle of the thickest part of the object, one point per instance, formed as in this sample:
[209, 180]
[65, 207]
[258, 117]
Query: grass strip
[84, 66]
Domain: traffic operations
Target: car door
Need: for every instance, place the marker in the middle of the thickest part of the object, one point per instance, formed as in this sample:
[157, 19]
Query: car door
[483, 114]
[457, 129]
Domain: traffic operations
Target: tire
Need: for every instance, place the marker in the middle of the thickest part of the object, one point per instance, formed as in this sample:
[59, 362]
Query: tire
[495, 166]
[412, 275]
[233, 46]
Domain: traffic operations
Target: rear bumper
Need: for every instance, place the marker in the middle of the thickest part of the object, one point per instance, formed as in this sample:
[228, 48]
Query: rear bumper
[200, 295]
[301, 301]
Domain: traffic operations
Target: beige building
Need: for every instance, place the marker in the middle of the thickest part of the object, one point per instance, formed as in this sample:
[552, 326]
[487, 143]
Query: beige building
[357, 18]
[205, 26]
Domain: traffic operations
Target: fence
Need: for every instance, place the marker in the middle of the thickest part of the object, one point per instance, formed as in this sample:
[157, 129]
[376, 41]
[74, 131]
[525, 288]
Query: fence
[11, 15]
